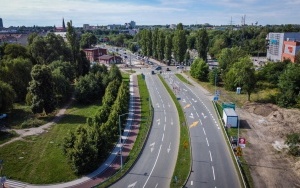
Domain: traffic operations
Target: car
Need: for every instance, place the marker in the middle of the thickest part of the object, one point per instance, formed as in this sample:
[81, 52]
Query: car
[152, 72]
[2, 116]
[179, 66]
[168, 69]
[158, 68]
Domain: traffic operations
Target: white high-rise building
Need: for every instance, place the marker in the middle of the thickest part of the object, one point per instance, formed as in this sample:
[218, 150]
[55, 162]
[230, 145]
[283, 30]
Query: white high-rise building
[276, 44]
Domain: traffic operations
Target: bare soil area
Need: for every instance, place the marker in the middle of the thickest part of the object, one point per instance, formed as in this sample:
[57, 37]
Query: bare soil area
[265, 127]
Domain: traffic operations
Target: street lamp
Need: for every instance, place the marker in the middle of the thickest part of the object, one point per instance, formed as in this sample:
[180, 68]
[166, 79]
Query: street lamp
[120, 139]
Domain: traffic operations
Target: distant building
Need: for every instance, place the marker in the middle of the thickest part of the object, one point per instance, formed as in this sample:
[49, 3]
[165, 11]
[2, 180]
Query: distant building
[109, 59]
[276, 46]
[61, 29]
[114, 26]
[86, 26]
[290, 50]
[1, 23]
[93, 54]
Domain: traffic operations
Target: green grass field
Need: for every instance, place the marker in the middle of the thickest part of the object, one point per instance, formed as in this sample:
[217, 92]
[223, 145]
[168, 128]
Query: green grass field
[40, 159]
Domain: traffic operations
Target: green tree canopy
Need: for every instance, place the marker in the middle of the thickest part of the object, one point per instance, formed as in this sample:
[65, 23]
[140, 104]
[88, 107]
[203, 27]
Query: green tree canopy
[199, 69]
[7, 97]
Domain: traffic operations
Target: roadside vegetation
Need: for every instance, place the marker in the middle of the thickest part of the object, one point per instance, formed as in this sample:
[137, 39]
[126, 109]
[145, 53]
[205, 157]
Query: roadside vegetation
[183, 164]
[145, 126]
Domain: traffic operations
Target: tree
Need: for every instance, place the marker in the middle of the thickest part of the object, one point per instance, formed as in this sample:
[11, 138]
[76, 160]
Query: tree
[114, 73]
[187, 57]
[191, 41]
[74, 46]
[87, 40]
[241, 74]
[7, 97]
[202, 42]
[154, 43]
[289, 86]
[160, 45]
[16, 72]
[297, 61]
[199, 69]
[65, 68]
[179, 45]
[168, 48]
[229, 56]
[41, 89]
[12, 51]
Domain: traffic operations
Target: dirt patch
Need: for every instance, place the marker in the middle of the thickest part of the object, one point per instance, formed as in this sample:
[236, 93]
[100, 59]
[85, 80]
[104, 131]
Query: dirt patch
[265, 127]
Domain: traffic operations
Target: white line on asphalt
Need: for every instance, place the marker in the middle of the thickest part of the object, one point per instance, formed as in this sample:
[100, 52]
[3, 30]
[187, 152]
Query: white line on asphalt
[162, 139]
[165, 119]
[156, 185]
[207, 141]
[204, 131]
[192, 182]
[197, 114]
[194, 107]
[200, 121]
[210, 156]
[153, 166]
[213, 172]
[163, 106]
[164, 127]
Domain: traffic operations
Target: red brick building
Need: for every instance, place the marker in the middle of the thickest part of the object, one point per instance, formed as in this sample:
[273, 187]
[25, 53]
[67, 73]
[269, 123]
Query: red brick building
[93, 54]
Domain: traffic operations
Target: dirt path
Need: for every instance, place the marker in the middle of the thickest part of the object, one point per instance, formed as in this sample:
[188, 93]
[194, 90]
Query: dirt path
[39, 130]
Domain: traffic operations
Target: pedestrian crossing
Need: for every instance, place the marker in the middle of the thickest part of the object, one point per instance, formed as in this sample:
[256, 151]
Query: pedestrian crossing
[15, 184]
[164, 73]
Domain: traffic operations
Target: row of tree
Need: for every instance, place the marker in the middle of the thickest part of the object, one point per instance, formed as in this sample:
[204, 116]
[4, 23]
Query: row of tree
[166, 45]
[89, 145]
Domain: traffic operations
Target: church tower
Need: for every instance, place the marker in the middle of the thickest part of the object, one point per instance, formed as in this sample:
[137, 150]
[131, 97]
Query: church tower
[63, 23]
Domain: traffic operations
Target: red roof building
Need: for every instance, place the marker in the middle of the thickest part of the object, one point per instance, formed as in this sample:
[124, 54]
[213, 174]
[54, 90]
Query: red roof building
[109, 59]
[93, 54]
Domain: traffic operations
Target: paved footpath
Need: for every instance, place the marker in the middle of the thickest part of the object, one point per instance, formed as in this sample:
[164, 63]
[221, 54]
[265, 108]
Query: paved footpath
[112, 164]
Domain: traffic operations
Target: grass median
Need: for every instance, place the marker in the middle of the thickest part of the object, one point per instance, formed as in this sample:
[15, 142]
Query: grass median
[183, 164]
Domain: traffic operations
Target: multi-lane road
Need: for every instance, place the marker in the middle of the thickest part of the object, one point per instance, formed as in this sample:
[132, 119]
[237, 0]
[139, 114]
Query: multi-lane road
[212, 164]
[156, 164]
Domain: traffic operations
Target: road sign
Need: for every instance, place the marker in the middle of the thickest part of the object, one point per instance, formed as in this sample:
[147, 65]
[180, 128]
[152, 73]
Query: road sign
[242, 142]
[216, 98]
[239, 151]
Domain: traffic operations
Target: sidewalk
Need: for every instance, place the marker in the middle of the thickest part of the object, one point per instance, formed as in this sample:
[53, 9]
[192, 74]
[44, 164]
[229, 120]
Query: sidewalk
[112, 163]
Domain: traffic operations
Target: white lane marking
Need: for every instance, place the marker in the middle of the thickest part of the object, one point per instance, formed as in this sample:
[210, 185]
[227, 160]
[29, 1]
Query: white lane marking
[207, 141]
[204, 131]
[131, 185]
[171, 121]
[197, 114]
[210, 156]
[165, 119]
[163, 106]
[194, 107]
[162, 139]
[192, 116]
[213, 172]
[158, 121]
[156, 185]
[164, 127]
[169, 105]
[200, 121]
[192, 182]
[169, 148]
[152, 146]
[153, 166]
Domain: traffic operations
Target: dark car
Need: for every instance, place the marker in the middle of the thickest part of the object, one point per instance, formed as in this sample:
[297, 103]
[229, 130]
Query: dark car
[158, 68]
[168, 69]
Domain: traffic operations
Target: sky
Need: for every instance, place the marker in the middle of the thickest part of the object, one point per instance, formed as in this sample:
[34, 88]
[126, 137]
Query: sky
[148, 12]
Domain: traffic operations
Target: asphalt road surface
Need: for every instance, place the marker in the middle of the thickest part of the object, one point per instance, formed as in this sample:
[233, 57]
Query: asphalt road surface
[156, 164]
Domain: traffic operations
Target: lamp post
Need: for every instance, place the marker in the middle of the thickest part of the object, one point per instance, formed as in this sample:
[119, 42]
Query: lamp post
[120, 139]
